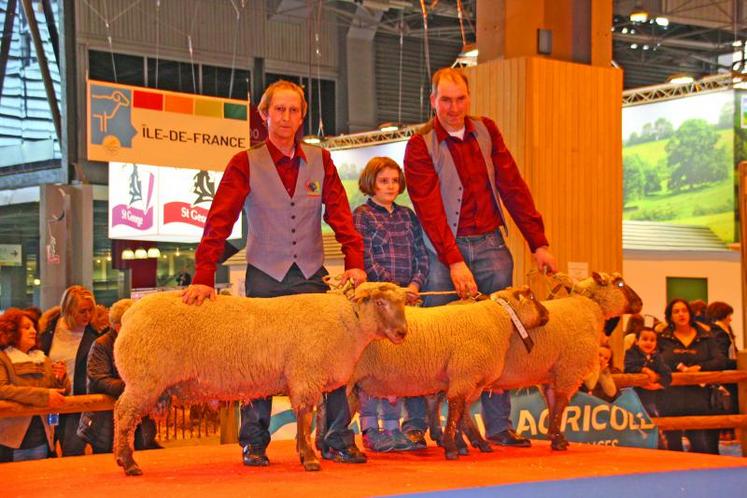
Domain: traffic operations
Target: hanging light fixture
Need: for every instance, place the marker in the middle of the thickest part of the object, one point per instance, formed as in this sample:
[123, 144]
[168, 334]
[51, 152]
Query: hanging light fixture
[638, 14]
[141, 253]
[154, 252]
[128, 255]
[680, 79]
[312, 139]
[389, 126]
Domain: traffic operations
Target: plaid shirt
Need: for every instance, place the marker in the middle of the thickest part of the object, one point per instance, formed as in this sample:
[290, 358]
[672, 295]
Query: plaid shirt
[393, 248]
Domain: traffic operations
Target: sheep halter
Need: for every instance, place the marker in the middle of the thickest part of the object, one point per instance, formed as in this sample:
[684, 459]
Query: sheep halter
[528, 342]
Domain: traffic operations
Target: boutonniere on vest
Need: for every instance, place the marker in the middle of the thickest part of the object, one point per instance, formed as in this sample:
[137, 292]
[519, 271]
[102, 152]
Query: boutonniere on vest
[313, 188]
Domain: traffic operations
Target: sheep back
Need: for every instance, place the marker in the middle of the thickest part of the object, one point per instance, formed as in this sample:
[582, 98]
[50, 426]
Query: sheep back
[470, 339]
[235, 347]
[565, 349]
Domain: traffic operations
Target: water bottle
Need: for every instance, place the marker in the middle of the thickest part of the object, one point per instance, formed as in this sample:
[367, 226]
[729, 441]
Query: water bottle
[53, 418]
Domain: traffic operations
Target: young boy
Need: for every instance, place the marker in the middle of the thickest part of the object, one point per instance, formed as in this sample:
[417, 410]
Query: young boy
[644, 357]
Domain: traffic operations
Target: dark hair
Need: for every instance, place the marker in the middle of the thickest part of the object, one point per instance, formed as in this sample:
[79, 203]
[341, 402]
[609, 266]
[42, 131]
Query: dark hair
[35, 314]
[641, 330]
[668, 311]
[367, 180]
[10, 327]
[635, 323]
[718, 310]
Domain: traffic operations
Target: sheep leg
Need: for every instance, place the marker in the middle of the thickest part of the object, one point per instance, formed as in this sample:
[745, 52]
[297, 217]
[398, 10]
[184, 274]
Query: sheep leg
[128, 411]
[456, 410]
[309, 460]
[473, 433]
[321, 424]
[556, 404]
[433, 410]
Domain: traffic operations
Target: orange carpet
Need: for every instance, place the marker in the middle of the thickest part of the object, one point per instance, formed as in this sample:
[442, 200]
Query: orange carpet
[218, 471]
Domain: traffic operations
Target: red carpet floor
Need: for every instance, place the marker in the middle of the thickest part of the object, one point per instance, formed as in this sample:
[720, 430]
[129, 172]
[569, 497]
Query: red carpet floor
[218, 471]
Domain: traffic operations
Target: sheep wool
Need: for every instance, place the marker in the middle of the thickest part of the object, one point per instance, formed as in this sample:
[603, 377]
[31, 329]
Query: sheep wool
[246, 348]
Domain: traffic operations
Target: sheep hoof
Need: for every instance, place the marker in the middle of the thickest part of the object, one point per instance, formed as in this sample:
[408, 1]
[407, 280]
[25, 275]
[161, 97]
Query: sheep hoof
[312, 466]
[483, 446]
[130, 468]
[558, 443]
[452, 455]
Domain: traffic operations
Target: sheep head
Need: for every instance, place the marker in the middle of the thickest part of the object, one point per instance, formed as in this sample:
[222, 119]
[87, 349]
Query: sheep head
[381, 309]
[612, 294]
[525, 304]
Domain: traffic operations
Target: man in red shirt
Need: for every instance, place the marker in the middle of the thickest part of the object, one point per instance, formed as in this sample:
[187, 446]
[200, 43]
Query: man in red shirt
[458, 171]
[289, 184]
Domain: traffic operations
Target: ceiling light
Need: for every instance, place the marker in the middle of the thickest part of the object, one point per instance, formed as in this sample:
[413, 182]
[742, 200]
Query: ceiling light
[634, 46]
[387, 127]
[128, 255]
[141, 253]
[645, 47]
[736, 43]
[680, 79]
[662, 21]
[154, 252]
[312, 139]
[37, 281]
[638, 14]
[108, 258]
[625, 31]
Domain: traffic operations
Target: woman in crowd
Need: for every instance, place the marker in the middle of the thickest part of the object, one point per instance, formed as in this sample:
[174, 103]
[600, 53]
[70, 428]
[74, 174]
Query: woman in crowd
[27, 376]
[687, 347]
[67, 336]
[719, 315]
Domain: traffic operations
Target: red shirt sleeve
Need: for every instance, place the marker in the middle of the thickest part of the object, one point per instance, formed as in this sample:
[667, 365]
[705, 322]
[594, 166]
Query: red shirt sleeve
[514, 191]
[225, 210]
[337, 215]
[424, 190]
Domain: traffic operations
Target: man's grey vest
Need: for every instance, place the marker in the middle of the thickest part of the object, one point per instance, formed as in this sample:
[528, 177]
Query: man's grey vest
[448, 178]
[283, 230]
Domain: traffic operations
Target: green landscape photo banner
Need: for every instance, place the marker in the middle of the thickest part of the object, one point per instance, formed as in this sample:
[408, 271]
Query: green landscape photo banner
[679, 159]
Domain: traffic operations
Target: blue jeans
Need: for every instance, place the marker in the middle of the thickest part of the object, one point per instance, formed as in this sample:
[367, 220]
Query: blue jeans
[373, 408]
[492, 265]
[255, 417]
[36, 453]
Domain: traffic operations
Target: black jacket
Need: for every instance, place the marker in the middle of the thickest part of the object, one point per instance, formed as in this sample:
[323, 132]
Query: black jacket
[703, 351]
[725, 340]
[636, 360]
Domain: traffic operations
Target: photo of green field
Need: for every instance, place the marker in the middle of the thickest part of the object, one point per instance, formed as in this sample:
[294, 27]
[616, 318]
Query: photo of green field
[678, 163]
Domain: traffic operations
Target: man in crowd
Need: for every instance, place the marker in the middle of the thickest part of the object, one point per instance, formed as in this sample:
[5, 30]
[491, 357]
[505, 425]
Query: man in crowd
[283, 185]
[458, 171]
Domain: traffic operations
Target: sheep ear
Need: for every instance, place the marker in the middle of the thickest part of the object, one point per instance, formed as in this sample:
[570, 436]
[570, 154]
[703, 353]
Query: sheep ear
[361, 294]
[564, 280]
[598, 278]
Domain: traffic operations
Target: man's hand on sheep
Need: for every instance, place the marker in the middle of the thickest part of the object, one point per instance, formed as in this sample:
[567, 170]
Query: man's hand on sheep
[413, 293]
[545, 260]
[197, 293]
[463, 280]
[354, 275]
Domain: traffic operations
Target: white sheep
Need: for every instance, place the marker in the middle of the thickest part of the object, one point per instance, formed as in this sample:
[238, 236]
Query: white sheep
[566, 347]
[456, 349]
[237, 348]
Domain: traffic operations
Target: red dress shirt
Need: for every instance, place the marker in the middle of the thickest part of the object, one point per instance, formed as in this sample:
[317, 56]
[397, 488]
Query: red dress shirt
[232, 192]
[479, 213]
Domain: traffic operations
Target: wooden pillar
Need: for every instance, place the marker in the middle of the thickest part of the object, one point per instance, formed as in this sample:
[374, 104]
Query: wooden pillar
[742, 395]
[580, 29]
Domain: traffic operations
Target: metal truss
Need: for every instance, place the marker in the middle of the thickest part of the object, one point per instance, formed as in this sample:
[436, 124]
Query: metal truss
[670, 91]
[369, 138]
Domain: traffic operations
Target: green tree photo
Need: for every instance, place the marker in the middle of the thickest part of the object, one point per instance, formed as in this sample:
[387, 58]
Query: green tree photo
[693, 156]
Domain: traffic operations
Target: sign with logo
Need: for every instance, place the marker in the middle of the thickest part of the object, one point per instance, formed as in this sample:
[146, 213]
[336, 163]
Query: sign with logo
[149, 126]
[149, 202]
[588, 419]
[10, 255]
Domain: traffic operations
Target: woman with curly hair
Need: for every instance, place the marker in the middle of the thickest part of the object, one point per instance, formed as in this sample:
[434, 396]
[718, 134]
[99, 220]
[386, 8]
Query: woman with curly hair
[27, 376]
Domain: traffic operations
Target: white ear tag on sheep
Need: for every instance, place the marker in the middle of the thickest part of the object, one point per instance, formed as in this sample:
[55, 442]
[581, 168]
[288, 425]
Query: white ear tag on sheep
[528, 342]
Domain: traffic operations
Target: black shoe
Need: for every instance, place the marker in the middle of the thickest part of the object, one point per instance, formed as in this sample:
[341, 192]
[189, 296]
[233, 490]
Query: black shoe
[351, 454]
[510, 438]
[418, 439]
[255, 456]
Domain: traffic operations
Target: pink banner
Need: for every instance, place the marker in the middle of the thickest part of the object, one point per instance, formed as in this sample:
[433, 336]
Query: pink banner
[122, 214]
[183, 212]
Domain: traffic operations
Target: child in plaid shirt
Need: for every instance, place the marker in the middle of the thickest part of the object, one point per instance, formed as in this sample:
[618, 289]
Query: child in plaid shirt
[393, 252]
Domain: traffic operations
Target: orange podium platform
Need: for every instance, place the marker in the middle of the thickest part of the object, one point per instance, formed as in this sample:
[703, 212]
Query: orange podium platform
[584, 470]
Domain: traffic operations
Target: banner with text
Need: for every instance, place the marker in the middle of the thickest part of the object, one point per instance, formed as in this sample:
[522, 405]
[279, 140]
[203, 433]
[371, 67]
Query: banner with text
[162, 128]
[163, 204]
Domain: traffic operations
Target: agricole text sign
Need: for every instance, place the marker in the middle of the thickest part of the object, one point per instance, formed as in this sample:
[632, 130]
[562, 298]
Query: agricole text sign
[148, 126]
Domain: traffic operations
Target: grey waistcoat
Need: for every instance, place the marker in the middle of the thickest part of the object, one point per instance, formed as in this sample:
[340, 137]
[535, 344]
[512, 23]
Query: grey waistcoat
[448, 178]
[283, 230]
